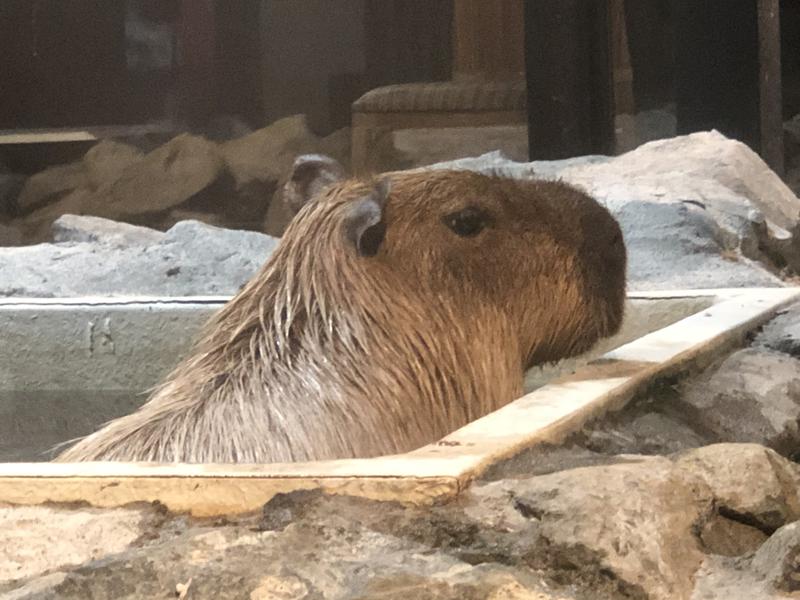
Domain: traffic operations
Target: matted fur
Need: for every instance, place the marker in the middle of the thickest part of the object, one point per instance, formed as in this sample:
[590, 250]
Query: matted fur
[329, 354]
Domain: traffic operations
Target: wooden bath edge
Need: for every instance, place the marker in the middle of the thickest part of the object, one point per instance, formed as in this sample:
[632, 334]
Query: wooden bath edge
[431, 474]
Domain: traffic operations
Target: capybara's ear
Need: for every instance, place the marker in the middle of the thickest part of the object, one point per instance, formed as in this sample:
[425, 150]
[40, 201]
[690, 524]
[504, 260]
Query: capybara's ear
[364, 225]
[310, 174]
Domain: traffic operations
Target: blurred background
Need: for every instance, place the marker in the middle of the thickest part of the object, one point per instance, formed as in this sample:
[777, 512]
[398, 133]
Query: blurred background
[153, 111]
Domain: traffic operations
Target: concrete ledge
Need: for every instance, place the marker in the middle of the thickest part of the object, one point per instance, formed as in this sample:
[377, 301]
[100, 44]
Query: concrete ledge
[434, 472]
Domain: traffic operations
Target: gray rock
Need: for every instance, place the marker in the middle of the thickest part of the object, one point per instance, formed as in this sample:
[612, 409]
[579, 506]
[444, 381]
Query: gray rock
[322, 555]
[631, 521]
[74, 228]
[687, 206]
[190, 259]
[753, 396]
[778, 560]
[748, 482]
[772, 573]
[677, 246]
[38, 539]
[782, 334]
[646, 432]
[637, 521]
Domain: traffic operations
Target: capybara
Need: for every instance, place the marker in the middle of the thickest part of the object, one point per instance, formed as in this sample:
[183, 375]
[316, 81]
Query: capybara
[394, 311]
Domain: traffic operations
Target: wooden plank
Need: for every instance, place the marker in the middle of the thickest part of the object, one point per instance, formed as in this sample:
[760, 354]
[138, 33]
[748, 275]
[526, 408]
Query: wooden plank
[407, 41]
[213, 496]
[569, 74]
[728, 72]
[80, 134]
[717, 68]
[411, 120]
[488, 39]
[770, 90]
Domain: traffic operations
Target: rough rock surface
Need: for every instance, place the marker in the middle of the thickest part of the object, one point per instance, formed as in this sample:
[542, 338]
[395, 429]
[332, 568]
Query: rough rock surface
[651, 528]
[697, 211]
[750, 396]
[166, 177]
[754, 396]
[190, 259]
[33, 538]
[782, 333]
[72, 228]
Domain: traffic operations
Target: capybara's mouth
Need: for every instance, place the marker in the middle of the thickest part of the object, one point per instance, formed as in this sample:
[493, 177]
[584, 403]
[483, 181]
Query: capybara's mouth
[607, 315]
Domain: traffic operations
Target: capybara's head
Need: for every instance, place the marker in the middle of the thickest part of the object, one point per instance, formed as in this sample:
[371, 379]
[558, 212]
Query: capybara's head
[393, 312]
[543, 253]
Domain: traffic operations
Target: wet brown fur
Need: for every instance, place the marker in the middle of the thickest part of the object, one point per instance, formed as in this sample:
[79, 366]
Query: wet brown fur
[329, 354]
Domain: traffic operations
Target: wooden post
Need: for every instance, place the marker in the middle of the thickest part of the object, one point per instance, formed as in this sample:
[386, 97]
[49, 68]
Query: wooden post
[624, 100]
[770, 84]
[488, 39]
[238, 44]
[569, 73]
[727, 72]
[197, 56]
[407, 41]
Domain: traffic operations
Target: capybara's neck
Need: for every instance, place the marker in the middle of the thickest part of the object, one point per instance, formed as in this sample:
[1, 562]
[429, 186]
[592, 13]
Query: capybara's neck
[355, 362]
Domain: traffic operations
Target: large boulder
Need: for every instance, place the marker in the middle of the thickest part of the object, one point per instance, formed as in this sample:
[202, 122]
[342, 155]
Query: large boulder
[650, 527]
[753, 396]
[73, 228]
[38, 539]
[116, 260]
[166, 177]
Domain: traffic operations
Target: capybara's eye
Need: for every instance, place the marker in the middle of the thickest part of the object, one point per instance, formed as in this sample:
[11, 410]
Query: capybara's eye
[467, 222]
